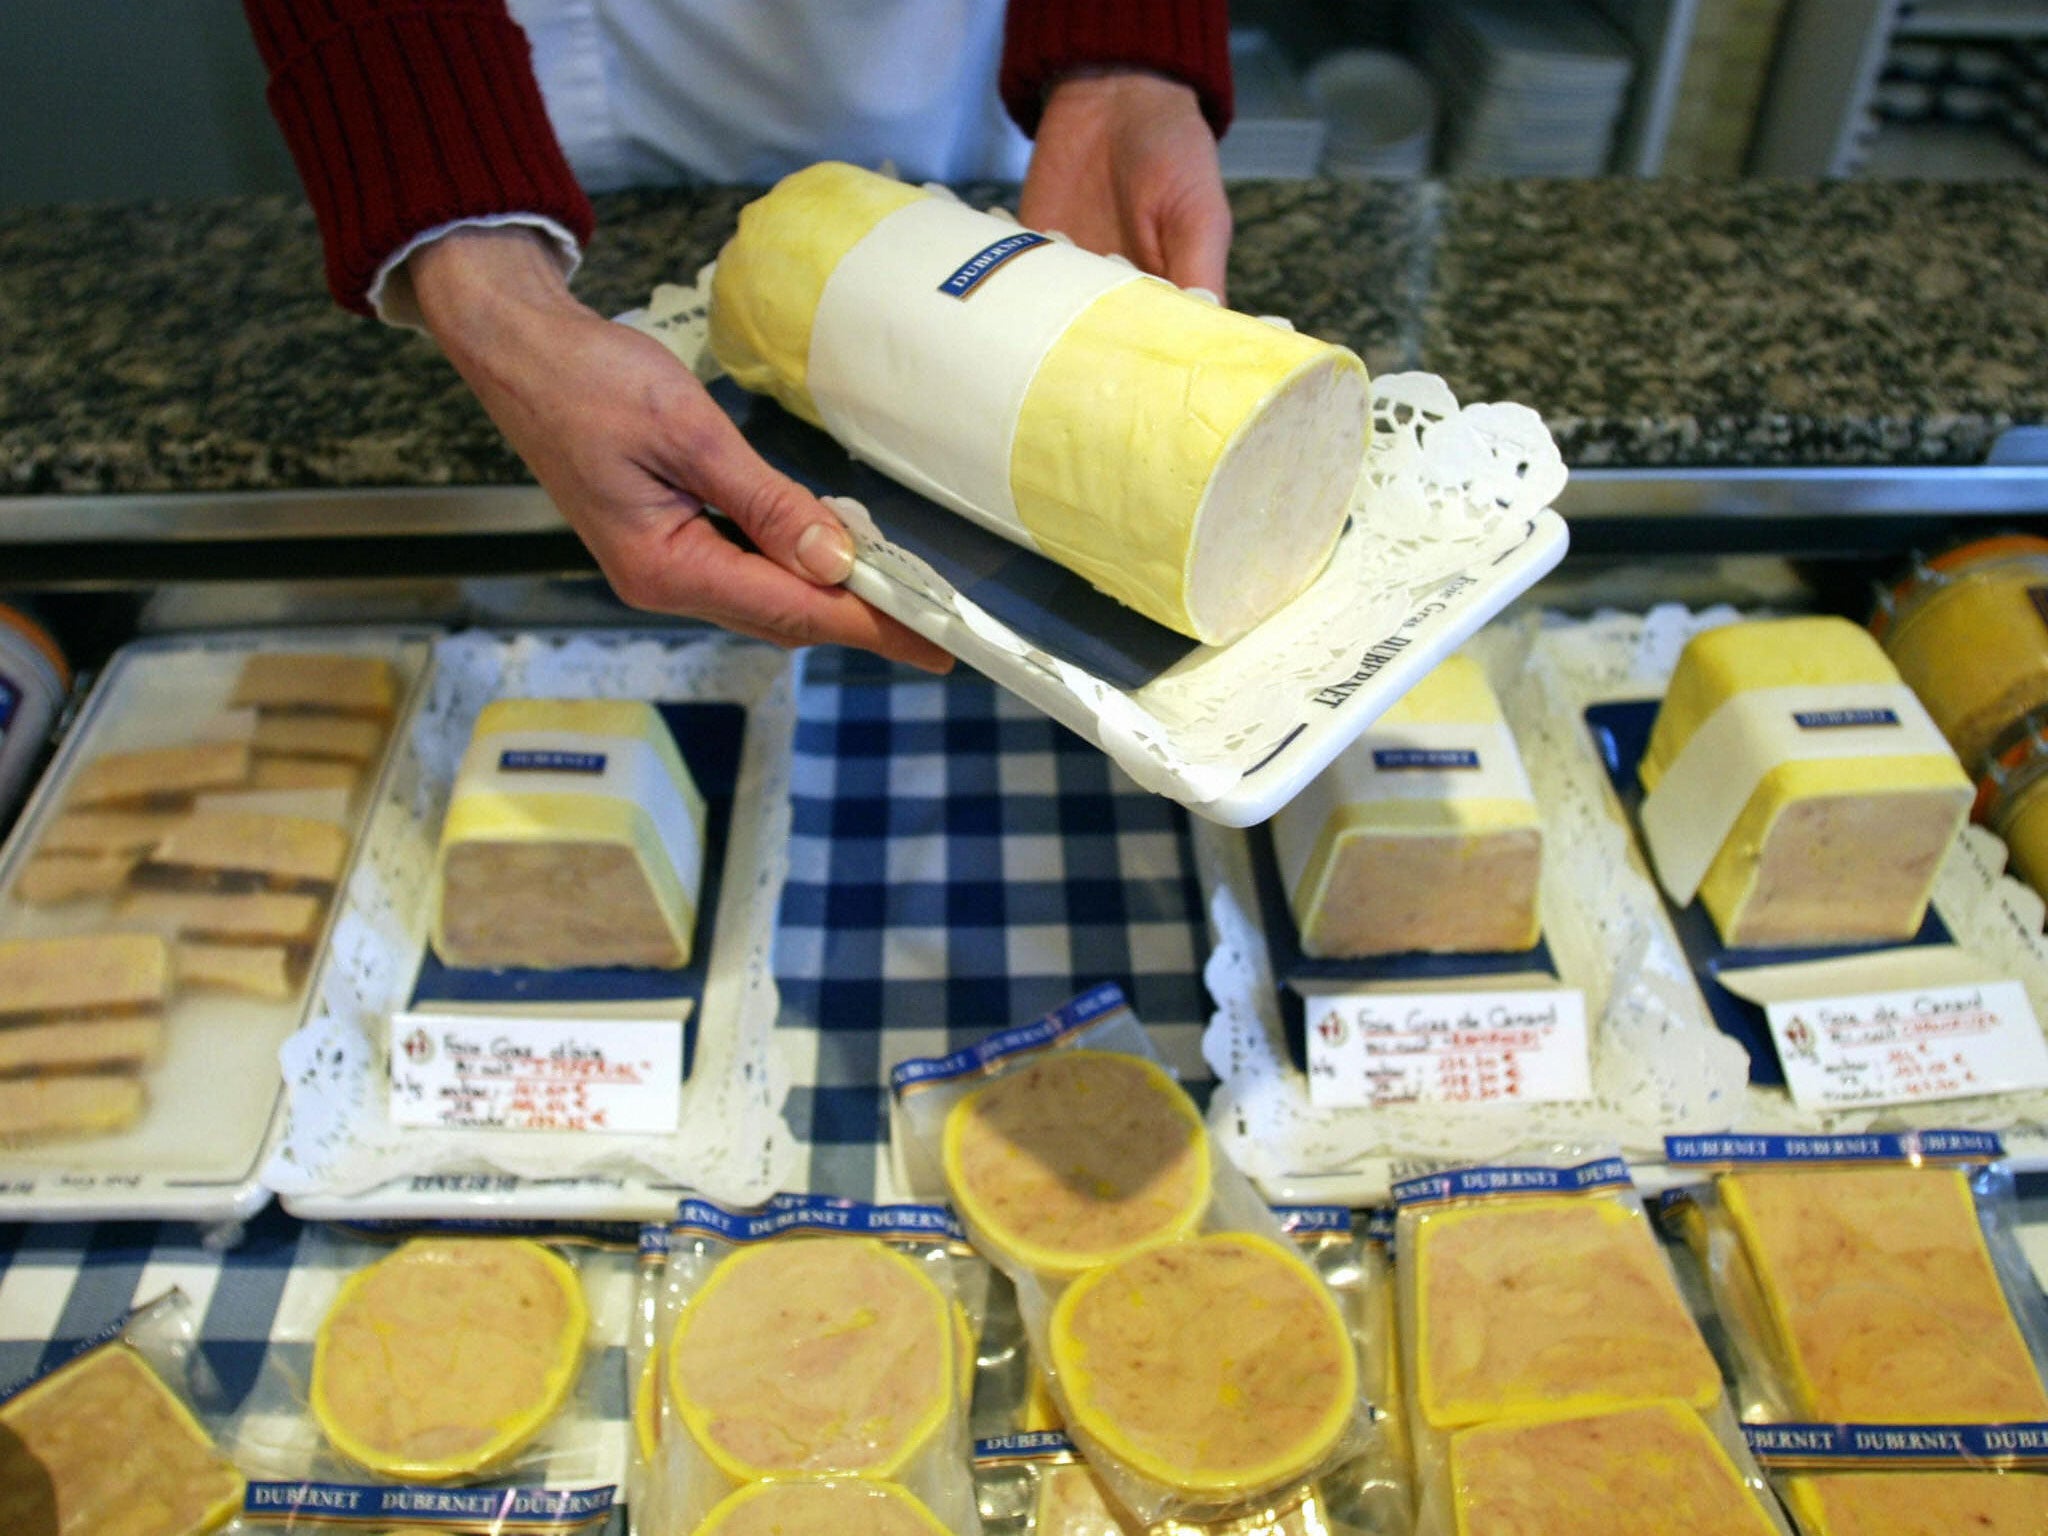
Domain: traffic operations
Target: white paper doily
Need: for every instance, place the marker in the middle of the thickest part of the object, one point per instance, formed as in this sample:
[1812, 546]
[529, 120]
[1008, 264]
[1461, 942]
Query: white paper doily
[1449, 524]
[1660, 1064]
[733, 1144]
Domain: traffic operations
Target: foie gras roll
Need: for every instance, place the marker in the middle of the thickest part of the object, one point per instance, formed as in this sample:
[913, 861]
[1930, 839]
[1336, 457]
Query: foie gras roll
[1215, 1366]
[1076, 1159]
[814, 1355]
[1194, 463]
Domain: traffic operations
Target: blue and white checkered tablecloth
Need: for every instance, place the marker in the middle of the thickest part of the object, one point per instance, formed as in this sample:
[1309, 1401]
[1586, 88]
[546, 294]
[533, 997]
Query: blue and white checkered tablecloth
[959, 864]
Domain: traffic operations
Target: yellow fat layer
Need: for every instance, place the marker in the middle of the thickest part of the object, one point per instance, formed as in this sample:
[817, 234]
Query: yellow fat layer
[772, 273]
[1170, 382]
[1454, 692]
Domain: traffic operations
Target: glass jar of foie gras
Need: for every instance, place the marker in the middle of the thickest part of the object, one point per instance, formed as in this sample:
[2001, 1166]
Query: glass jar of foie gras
[1032, 1480]
[109, 1441]
[2012, 800]
[1968, 631]
[1557, 1382]
[1867, 1286]
[1086, 1173]
[816, 1351]
[449, 1376]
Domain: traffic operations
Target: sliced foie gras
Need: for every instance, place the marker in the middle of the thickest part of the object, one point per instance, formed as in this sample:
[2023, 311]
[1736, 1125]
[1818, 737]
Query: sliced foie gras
[842, 1506]
[1217, 1365]
[1076, 1158]
[223, 850]
[447, 1358]
[280, 917]
[253, 970]
[158, 776]
[89, 976]
[317, 682]
[102, 1447]
[53, 879]
[1919, 1503]
[271, 771]
[81, 1045]
[1882, 1295]
[1649, 1469]
[326, 738]
[106, 832]
[71, 1104]
[1535, 1302]
[814, 1355]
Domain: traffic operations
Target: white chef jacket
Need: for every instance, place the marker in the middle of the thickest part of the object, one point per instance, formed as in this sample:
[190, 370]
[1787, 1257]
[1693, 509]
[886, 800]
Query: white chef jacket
[657, 92]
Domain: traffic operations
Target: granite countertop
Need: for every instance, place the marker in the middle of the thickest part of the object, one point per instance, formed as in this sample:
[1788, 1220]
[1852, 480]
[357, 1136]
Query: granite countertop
[191, 347]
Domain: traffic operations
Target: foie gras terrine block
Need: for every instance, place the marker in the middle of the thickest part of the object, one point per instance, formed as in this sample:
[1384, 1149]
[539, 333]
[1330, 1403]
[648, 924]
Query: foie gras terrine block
[575, 837]
[1194, 463]
[1798, 787]
[1422, 835]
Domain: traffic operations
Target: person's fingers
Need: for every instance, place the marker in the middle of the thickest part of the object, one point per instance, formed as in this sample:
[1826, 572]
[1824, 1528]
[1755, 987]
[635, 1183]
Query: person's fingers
[785, 522]
[696, 570]
[1195, 248]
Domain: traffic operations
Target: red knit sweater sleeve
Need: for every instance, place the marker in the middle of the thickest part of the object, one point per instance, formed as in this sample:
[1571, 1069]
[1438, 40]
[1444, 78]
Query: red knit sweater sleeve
[406, 114]
[1045, 39]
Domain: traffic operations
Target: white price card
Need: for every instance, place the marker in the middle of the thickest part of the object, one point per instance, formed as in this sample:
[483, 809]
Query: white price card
[541, 1074]
[1369, 1049]
[1902, 1047]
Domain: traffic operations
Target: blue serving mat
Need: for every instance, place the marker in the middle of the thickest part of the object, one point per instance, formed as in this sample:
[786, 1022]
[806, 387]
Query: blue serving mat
[709, 736]
[1291, 966]
[1046, 604]
[1621, 733]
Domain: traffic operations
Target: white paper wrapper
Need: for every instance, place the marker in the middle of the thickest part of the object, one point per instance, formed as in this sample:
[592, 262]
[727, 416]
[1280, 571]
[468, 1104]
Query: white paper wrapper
[339, 1141]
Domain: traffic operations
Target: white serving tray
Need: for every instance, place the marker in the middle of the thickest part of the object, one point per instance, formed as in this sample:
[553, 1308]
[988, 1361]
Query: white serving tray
[214, 1099]
[1451, 521]
[340, 1156]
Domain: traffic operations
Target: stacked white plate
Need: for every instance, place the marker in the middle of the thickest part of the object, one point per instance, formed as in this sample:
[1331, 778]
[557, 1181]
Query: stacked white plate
[1276, 132]
[1380, 110]
[1529, 90]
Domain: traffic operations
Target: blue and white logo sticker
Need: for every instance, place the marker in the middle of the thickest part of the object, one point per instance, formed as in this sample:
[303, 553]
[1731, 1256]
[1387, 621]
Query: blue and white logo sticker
[1842, 719]
[971, 272]
[516, 760]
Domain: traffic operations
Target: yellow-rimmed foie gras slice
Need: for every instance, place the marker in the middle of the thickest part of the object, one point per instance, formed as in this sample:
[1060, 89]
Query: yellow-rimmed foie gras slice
[1077, 1158]
[317, 682]
[1919, 1503]
[814, 1355]
[1882, 1295]
[446, 1358]
[158, 776]
[109, 1450]
[1549, 1302]
[1216, 1366]
[1645, 1469]
[842, 1506]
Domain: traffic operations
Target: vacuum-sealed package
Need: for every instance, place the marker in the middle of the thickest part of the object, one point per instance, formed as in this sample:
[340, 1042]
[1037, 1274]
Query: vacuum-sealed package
[1556, 1379]
[455, 1375]
[1087, 1174]
[109, 1441]
[1034, 1481]
[1867, 1279]
[1895, 1480]
[646, 1490]
[816, 1361]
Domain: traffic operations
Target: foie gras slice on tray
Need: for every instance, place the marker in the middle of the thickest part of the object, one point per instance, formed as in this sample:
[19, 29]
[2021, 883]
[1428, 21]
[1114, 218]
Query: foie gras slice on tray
[1422, 835]
[80, 1017]
[1795, 784]
[1194, 463]
[853, 1506]
[575, 837]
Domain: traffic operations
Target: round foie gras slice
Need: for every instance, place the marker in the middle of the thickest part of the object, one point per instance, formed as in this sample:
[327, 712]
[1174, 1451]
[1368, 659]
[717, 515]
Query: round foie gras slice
[842, 1506]
[448, 1357]
[1077, 1159]
[1215, 1365]
[815, 1355]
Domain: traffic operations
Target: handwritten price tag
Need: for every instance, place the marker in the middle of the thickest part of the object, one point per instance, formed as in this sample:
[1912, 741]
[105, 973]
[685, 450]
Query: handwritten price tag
[467, 1071]
[1903, 1047]
[1371, 1049]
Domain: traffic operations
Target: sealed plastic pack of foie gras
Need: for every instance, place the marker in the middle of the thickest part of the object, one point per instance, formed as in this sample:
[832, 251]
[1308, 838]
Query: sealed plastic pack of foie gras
[164, 902]
[646, 1490]
[1032, 1480]
[817, 1357]
[1557, 1380]
[443, 1376]
[1083, 1170]
[1871, 1278]
[112, 1439]
[1907, 1480]
[1220, 594]
[553, 968]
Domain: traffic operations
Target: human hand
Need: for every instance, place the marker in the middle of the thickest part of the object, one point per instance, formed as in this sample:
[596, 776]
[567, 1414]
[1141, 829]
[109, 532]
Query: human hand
[1125, 164]
[631, 449]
